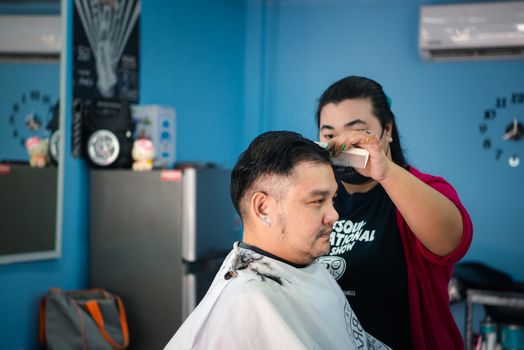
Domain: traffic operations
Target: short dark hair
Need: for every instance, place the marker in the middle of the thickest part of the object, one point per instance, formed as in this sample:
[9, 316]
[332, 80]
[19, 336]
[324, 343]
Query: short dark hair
[273, 152]
[355, 87]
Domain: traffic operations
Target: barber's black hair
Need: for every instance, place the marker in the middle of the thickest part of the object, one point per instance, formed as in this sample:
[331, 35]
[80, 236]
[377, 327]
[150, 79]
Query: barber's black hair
[273, 152]
[354, 88]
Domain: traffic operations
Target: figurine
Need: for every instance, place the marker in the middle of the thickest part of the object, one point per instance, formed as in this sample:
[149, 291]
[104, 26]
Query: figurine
[143, 153]
[37, 149]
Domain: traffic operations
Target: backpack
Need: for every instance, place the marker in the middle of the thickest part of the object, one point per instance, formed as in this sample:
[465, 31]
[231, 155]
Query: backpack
[82, 319]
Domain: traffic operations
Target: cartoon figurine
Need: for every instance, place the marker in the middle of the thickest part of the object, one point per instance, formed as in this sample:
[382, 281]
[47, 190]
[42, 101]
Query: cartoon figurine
[143, 153]
[37, 149]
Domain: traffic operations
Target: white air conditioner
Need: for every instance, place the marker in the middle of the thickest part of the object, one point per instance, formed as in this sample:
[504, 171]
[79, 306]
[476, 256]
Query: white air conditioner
[30, 36]
[472, 31]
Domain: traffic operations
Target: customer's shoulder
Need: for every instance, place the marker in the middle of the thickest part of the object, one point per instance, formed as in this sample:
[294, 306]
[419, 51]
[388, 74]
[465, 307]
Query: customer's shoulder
[250, 292]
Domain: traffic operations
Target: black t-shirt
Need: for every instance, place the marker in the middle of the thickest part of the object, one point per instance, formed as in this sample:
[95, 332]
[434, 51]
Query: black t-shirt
[367, 259]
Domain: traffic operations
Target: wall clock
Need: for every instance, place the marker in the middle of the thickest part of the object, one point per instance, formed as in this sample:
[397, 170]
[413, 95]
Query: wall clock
[30, 115]
[503, 129]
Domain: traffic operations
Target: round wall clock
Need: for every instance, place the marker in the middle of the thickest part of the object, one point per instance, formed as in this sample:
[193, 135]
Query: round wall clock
[29, 114]
[503, 129]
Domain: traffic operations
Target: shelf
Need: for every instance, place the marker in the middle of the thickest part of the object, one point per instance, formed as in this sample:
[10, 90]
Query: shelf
[491, 298]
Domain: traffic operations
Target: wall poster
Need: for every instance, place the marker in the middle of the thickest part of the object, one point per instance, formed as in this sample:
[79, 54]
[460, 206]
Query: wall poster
[105, 57]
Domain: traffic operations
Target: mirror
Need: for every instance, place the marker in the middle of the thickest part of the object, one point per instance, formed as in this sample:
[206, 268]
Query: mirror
[30, 187]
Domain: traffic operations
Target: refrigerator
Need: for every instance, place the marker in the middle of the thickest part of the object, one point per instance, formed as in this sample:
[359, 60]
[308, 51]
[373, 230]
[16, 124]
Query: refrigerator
[157, 240]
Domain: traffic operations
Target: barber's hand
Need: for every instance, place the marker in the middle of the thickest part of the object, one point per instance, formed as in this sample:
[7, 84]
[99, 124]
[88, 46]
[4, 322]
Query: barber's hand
[378, 163]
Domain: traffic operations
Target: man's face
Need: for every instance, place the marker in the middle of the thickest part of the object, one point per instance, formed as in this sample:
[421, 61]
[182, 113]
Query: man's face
[305, 212]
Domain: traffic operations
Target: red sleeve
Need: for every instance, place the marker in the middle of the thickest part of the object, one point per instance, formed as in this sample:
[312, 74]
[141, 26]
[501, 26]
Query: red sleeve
[447, 190]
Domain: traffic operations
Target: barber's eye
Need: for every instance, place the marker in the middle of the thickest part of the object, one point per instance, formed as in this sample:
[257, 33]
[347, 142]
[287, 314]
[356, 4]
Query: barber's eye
[329, 136]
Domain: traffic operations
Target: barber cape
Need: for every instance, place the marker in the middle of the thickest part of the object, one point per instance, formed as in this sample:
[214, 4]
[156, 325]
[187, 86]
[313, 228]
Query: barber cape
[257, 302]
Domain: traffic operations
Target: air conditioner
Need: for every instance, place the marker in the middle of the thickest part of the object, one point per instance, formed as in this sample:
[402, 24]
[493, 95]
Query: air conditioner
[30, 36]
[472, 31]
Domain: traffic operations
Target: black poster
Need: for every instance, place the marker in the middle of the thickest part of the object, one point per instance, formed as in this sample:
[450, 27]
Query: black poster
[105, 55]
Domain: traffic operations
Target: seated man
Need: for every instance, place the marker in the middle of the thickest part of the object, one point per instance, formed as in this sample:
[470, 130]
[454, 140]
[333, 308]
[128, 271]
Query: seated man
[270, 293]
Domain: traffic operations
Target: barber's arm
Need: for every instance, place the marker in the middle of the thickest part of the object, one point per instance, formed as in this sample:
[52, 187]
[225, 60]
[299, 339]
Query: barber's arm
[432, 217]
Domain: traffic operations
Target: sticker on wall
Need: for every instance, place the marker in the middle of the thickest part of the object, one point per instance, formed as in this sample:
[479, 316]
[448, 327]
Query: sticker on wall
[503, 129]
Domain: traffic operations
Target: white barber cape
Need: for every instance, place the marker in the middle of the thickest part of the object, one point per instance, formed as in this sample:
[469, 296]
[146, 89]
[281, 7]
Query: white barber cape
[257, 302]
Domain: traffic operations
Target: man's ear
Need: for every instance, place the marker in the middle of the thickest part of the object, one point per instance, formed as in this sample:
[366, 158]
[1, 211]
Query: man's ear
[260, 207]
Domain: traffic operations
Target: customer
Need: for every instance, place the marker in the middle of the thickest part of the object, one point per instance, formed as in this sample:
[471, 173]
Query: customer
[400, 231]
[270, 293]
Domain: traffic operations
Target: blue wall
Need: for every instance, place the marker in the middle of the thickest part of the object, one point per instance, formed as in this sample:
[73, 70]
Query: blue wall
[192, 56]
[306, 45]
[233, 69]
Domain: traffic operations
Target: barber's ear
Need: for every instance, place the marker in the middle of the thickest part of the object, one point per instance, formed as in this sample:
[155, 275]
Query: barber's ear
[389, 132]
[260, 207]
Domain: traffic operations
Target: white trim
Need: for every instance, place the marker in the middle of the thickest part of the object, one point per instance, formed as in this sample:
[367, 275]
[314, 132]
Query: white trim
[25, 257]
[189, 214]
[188, 295]
[62, 127]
